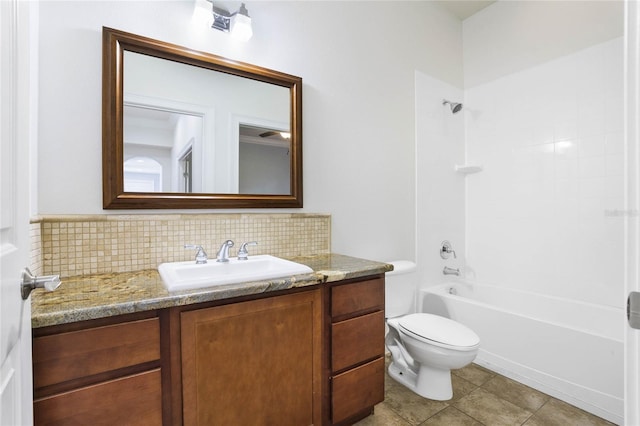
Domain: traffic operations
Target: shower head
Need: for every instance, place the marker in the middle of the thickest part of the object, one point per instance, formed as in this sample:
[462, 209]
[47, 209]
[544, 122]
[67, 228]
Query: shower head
[455, 106]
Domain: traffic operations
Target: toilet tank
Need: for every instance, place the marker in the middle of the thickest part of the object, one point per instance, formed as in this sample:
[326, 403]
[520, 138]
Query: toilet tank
[400, 288]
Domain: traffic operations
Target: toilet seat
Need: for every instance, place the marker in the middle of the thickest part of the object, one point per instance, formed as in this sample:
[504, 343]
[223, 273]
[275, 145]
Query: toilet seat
[440, 331]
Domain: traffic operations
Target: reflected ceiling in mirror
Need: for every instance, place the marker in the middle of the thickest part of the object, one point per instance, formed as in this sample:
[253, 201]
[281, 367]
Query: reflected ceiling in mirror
[187, 129]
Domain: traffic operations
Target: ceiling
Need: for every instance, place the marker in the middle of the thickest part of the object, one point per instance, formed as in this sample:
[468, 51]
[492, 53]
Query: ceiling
[464, 8]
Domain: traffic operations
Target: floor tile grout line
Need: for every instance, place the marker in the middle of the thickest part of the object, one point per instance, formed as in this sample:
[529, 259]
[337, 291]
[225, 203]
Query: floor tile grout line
[533, 412]
[547, 397]
[527, 419]
[466, 388]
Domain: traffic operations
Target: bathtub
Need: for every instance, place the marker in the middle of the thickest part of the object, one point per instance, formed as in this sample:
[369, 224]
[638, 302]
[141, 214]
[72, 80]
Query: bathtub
[571, 350]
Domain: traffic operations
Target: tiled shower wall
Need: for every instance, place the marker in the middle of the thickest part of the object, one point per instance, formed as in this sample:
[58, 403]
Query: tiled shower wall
[81, 245]
[440, 191]
[544, 214]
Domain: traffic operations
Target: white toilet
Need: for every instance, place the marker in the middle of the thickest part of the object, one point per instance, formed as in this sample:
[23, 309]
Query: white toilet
[424, 347]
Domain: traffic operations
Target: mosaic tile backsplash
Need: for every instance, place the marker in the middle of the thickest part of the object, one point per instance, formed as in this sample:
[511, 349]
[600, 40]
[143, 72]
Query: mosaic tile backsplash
[81, 245]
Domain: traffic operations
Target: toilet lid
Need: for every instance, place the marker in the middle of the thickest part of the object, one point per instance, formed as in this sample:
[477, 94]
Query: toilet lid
[439, 329]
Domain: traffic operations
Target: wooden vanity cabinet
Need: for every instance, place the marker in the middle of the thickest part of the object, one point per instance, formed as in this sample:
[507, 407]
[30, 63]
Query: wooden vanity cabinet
[356, 323]
[257, 362]
[99, 372]
[297, 357]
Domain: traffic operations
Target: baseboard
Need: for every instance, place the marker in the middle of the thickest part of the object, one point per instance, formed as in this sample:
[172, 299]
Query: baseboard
[603, 405]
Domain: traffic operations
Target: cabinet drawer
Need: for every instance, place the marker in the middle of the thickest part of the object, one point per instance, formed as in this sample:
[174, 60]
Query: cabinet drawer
[357, 389]
[132, 400]
[66, 356]
[357, 297]
[356, 340]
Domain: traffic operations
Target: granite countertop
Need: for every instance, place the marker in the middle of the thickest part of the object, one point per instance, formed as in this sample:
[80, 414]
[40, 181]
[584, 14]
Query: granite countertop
[98, 296]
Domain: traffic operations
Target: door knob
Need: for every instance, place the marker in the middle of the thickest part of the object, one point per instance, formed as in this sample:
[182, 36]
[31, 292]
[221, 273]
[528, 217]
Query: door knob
[30, 282]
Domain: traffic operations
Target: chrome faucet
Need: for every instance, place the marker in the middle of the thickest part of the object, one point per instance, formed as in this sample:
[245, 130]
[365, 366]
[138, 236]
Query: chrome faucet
[223, 252]
[201, 256]
[243, 254]
[446, 249]
[451, 271]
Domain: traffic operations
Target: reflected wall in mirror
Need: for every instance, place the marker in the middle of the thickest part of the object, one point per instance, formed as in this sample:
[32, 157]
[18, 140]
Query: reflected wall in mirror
[187, 129]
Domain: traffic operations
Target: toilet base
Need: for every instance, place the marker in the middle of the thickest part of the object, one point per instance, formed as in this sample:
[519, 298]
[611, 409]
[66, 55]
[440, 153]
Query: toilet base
[431, 383]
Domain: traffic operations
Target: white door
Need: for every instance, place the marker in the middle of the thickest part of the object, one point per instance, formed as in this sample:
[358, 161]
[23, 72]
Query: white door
[16, 126]
[632, 273]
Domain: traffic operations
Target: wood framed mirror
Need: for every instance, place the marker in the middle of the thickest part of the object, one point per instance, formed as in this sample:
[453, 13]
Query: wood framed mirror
[183, 129]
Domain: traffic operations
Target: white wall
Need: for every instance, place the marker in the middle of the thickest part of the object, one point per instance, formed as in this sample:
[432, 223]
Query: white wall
[511, 36]
[357, 61]
[263, 169]
[541, 216]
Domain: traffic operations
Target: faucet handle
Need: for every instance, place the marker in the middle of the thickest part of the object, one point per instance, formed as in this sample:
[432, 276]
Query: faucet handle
[243, 254]
[201, 256]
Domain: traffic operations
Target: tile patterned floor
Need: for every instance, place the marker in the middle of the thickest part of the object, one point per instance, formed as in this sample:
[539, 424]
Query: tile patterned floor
[480, 397]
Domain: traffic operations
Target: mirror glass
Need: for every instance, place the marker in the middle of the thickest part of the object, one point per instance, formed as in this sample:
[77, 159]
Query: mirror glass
[185, 129]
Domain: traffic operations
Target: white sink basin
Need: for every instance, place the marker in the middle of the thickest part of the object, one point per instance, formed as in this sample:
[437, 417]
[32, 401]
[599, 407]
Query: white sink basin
[189, 275]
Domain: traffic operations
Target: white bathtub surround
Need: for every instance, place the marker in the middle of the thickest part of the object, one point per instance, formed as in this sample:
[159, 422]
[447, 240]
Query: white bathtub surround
[440, 190]
[568, 349]
[543, 115]
[543, 209]
[541, 221]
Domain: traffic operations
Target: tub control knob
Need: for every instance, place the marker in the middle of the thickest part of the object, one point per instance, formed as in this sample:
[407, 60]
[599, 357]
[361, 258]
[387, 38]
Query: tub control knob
[446, 250]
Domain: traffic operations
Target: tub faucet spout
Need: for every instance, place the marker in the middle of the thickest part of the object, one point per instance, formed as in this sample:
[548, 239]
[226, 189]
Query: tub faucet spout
[451, 271]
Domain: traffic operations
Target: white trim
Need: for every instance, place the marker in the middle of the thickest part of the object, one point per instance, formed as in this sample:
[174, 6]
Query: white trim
[179, 157]
[18, 78]
[601, 404]
[632, 204]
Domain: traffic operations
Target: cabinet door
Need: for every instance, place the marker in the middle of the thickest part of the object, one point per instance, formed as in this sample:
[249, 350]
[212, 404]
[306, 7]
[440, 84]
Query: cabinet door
[255, 362]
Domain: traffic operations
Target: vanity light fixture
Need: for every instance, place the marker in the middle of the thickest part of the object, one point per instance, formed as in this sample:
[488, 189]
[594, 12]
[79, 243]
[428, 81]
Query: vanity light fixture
[238, 24]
